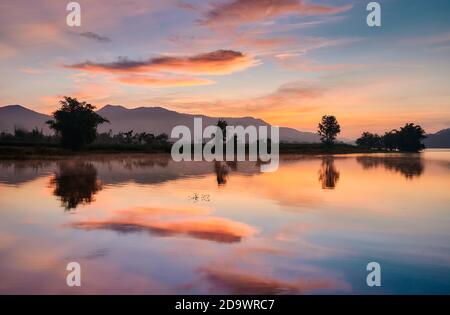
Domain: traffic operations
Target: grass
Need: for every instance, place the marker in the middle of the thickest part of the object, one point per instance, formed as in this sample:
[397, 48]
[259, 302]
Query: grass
[26, 151]
[319, 148]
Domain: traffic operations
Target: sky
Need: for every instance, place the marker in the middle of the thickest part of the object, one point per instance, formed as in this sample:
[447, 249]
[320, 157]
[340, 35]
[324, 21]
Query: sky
[285, 61]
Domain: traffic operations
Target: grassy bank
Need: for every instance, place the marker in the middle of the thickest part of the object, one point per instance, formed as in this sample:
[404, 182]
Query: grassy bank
[25, 151]
[53, 151]
[319, 148]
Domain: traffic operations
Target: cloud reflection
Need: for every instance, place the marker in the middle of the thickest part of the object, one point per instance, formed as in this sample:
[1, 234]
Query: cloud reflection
[198, 225]
[239, 282]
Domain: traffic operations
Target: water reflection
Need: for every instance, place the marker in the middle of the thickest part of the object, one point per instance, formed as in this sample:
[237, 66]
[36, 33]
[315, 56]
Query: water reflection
[234, 281]
[222, 170]
[261, 233]
[409, 166]
[75, 183]
[328, 174]
[13, 172]
[165, 222]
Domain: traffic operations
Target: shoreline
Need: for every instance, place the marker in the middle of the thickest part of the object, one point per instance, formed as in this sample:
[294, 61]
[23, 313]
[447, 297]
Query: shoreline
[29, 152]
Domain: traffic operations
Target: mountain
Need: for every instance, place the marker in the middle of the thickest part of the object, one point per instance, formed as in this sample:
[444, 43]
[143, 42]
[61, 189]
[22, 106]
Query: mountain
[160, 120]
[154, 120]
[440, 139]
[17, 116]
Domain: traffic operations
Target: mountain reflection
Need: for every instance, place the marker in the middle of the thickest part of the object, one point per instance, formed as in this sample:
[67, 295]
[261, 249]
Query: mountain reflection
[409, 166]
[75, 183]
[328, 174]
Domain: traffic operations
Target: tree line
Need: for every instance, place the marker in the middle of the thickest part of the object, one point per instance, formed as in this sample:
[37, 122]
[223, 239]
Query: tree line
[408, 138]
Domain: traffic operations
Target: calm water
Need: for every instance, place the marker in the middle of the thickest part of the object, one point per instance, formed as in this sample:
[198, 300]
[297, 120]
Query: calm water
[145, 224]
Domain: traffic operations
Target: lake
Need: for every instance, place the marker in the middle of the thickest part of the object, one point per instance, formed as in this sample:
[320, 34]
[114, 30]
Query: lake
[146, 224]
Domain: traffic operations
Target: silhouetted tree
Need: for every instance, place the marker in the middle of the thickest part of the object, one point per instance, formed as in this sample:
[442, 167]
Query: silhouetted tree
[222, 124]
[76, 123]
[410, 138]
[370, 140]
[36, 136]
[128, 137]
[391, 140]
[328, 129]
[163, 138]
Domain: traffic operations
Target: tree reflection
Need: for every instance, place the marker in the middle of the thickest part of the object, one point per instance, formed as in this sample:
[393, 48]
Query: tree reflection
[75, 183]
[409, 166]
[222, 169]
[328, 174]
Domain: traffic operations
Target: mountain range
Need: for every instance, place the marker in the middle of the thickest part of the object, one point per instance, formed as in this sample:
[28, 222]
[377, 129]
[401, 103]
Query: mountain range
[440, 139]
[154, 120]
[159, 120]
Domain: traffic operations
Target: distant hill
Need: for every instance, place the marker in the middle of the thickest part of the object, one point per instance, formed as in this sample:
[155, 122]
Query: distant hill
[440, 139]
[17, 116]
[158, 120]
[155, 120]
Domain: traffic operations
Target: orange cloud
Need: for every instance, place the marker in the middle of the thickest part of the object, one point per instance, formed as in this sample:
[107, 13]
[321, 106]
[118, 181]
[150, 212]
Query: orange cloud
[217, 62]
[237, 12]
[289, 99]
[163, 81]
[90, 91]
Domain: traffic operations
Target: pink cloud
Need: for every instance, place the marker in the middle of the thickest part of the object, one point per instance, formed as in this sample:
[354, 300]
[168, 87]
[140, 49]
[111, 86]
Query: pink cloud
[234, 281]
[237, 12]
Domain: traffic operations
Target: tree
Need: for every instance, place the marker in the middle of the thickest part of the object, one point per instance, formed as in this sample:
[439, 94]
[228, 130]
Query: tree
[370, 140]
[408, 138]
[391, 140]
[76, 123]
[222, 124]
[411, 137]
[328, 129]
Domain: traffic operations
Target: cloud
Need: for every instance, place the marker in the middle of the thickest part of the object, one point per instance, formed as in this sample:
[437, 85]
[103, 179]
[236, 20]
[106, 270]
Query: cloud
[164, 211]
[162, 221]
[95, 37]
[29, 70]
[89, 90]
[297, 62]
[217, 62]
[239, 282]
[289, 99]
[254, 43]
[159, 81]
[212, 229]
[7, 51]
[237, 12]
